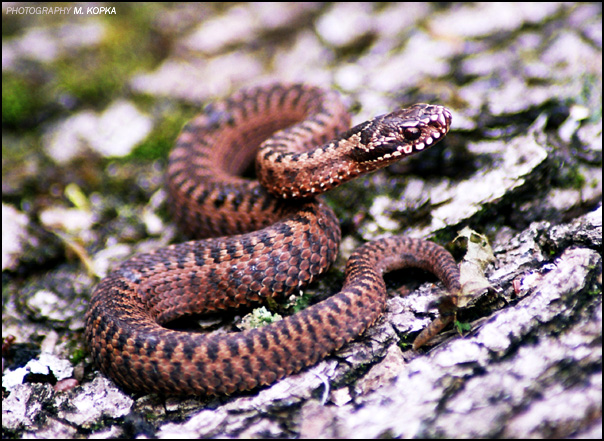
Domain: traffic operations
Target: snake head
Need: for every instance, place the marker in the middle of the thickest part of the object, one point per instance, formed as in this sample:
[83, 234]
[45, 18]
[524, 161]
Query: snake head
[391, 137]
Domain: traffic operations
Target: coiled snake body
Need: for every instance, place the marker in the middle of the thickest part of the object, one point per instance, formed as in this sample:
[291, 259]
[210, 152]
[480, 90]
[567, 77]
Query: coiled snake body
[274, 237]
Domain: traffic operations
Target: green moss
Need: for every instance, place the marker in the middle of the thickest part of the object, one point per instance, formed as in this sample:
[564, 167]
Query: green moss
[570, 176]
[405, 345]
[462, 327]
[258, 318]
[161, 140]
[101, 74]
[78, 354]
[576, 179]
[351, 198]
[302, 302]
[591, 93]
[21, 101]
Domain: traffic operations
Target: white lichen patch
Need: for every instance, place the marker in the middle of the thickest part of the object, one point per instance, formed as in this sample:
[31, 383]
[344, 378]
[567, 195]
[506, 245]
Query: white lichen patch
[113, 133]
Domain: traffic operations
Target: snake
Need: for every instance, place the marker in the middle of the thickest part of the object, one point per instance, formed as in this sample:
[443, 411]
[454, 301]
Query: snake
[258, 238]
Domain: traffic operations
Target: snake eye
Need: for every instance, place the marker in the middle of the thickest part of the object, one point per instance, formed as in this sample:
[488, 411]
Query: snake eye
[412, 133]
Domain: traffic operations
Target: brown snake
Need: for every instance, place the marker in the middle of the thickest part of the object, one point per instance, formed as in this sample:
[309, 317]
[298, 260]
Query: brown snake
[269, 245]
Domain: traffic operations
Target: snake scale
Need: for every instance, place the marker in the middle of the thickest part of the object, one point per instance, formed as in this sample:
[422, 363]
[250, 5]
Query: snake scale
[264, 238]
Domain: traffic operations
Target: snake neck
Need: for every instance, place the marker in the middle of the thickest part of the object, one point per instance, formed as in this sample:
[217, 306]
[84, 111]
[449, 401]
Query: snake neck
[289, 167]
